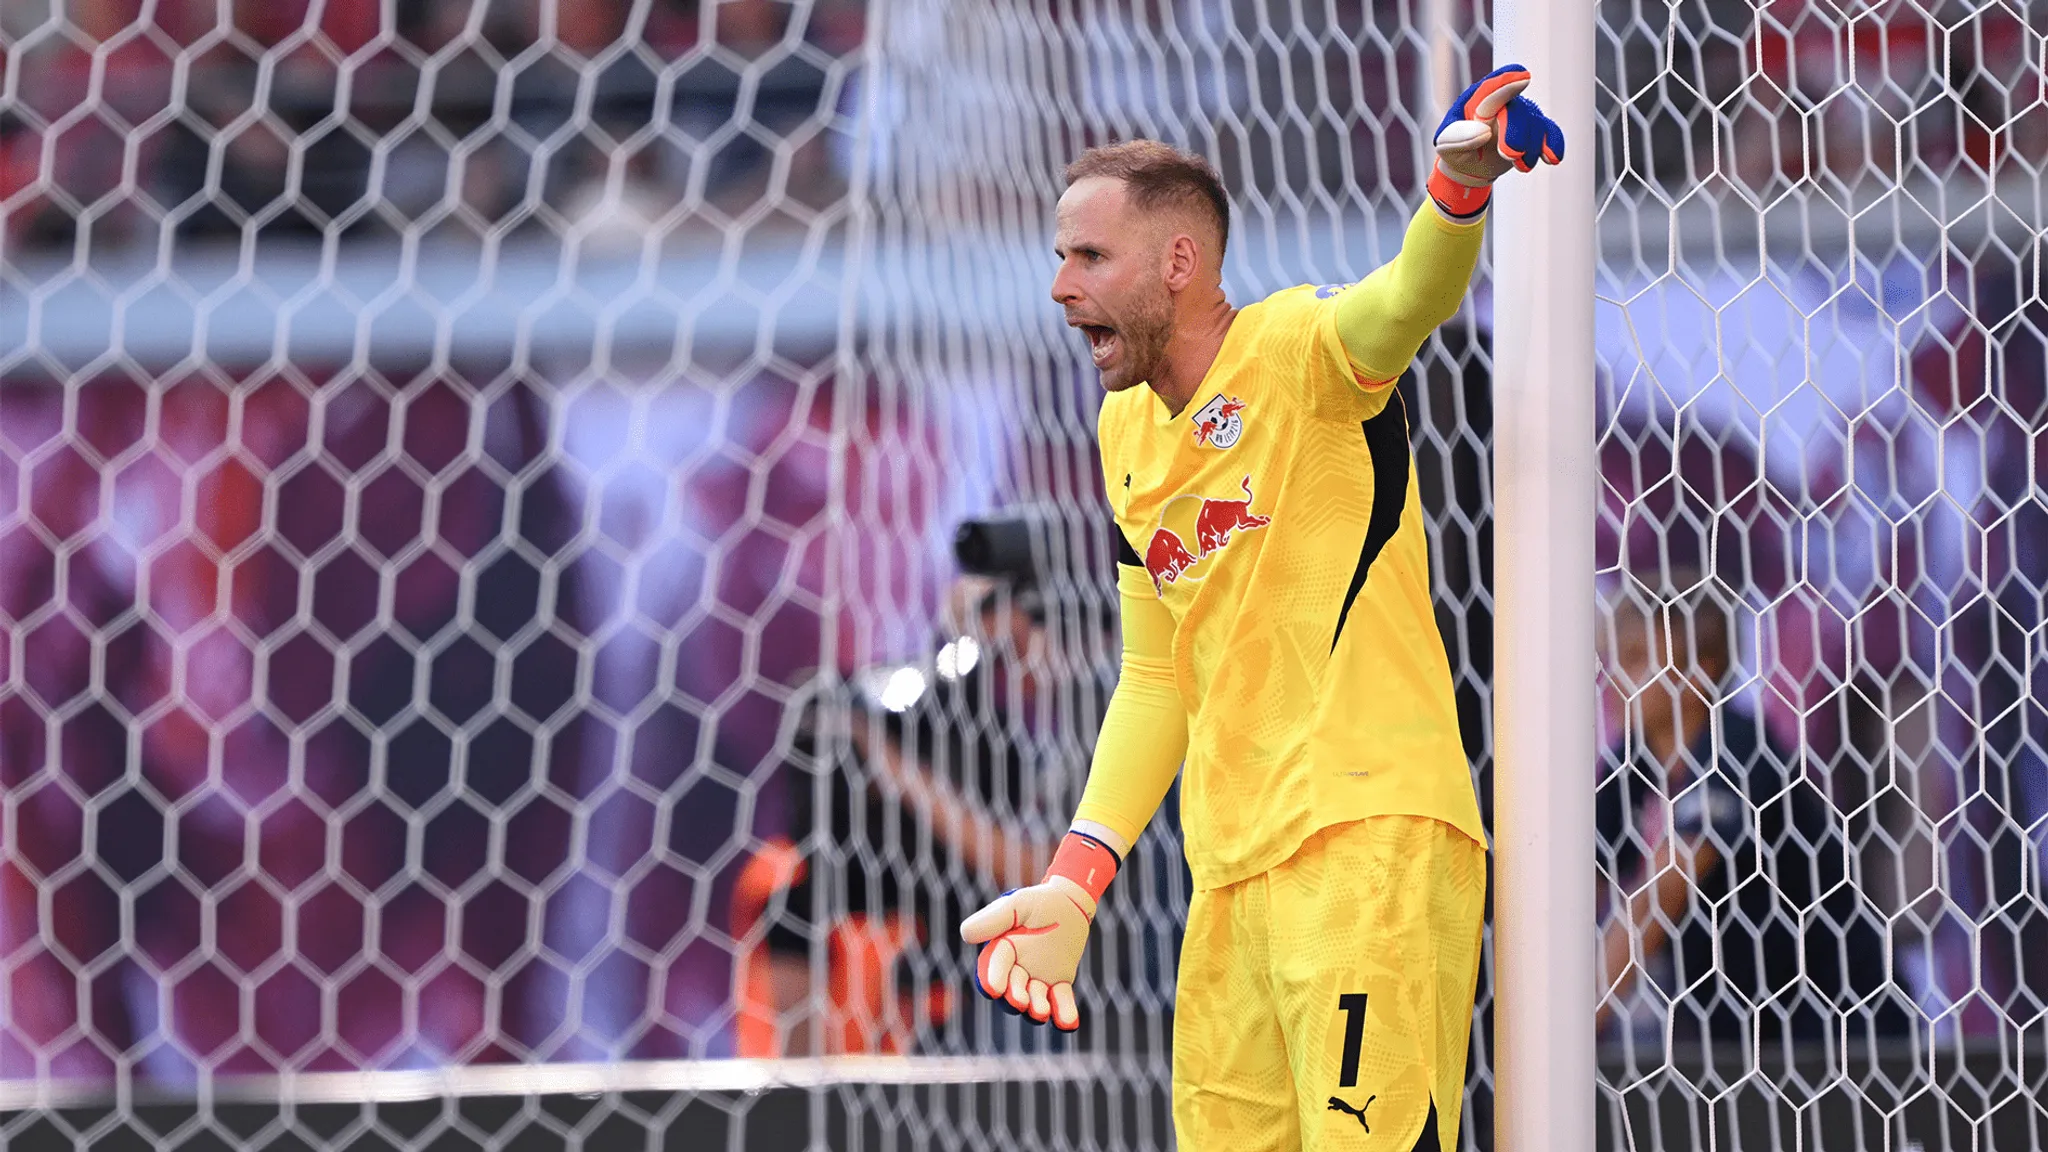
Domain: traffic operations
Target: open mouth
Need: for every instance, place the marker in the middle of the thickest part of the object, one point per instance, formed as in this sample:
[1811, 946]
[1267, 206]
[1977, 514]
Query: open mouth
[1102, 342]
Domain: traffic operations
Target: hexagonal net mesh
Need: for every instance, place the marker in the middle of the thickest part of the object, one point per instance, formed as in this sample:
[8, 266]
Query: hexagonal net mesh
[550, 549]
[1823, 563]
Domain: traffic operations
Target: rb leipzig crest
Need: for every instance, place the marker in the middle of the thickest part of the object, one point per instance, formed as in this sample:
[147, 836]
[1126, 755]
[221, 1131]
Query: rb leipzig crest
[1220, 422]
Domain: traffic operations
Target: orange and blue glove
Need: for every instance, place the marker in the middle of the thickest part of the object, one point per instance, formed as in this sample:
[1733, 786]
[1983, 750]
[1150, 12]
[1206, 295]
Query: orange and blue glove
[1491, 129]
[1032, 938]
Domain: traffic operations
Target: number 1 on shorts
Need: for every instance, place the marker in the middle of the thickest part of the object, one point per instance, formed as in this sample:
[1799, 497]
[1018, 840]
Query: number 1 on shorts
[1352, 1004]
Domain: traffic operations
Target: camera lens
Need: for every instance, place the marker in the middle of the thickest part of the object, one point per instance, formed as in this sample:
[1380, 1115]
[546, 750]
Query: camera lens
[994, 548]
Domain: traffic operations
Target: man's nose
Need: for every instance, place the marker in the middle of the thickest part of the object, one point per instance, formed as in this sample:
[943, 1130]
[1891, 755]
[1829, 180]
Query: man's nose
[1063, 287]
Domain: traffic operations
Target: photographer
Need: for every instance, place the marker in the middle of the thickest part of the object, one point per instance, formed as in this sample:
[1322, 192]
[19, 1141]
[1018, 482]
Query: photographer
[931, 777]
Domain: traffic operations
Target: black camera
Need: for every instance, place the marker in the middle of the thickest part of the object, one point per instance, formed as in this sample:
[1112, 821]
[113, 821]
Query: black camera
[1001, 549]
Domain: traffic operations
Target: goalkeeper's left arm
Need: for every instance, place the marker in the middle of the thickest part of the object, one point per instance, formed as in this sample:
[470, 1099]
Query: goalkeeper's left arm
[1032, 938]
[1490, 130]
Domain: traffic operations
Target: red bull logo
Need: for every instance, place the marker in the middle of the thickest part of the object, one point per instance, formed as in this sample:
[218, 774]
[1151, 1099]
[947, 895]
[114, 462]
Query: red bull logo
[1168, 557]
[1219, 518]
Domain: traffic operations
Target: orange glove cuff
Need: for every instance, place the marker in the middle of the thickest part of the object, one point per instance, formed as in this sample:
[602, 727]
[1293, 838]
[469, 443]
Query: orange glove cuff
[1459, 201]
[1086, 861]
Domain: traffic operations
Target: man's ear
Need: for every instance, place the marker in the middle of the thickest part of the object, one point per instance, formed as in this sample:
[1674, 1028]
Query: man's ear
[1183, 258]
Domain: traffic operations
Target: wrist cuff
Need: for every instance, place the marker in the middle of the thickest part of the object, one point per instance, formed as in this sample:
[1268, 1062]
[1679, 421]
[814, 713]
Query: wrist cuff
[1086, 861]
[1458, 201]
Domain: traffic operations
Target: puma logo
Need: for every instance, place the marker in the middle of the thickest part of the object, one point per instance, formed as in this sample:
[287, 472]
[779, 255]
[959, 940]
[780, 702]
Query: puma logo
[1337, 1105]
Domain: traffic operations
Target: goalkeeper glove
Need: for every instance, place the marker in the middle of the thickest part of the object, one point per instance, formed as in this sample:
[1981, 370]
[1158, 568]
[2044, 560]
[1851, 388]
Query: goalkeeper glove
[1031, 938]
[1491, 111]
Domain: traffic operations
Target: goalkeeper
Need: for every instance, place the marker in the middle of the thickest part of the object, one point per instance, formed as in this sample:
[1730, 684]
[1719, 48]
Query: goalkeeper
[1279, 637]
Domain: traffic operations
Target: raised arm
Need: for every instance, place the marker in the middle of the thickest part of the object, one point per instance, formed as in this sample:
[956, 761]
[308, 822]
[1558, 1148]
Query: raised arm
[1384, 318]
[1490, 130]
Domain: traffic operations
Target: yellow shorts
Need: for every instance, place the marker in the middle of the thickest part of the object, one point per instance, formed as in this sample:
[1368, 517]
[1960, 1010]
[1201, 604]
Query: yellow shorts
[1327, 1003]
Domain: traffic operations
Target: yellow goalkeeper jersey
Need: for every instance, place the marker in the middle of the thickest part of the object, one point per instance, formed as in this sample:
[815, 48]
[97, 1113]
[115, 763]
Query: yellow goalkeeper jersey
[1278, 520]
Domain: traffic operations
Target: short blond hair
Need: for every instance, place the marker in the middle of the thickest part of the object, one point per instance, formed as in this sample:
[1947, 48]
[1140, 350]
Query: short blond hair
[1160, 176]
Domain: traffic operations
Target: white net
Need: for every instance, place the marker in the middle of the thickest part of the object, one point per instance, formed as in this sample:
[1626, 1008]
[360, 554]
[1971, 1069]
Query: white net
[486, 640]
[1821, 337]
[416, 442]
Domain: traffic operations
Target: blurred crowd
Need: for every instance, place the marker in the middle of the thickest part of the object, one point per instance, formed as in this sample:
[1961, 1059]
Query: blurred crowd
[386, 714]
[456, 119]
[370, 721]
[1760, 97]
[462, 118]
[1865, 528]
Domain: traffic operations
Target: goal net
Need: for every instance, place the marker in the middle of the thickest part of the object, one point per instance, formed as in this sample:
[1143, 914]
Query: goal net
[550, 549]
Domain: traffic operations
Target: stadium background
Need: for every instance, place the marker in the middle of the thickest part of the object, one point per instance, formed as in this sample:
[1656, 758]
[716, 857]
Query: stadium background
[478, 480]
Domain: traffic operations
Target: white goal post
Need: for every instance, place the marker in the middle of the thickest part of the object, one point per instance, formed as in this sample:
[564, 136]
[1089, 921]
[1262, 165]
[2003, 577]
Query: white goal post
[1543, 505]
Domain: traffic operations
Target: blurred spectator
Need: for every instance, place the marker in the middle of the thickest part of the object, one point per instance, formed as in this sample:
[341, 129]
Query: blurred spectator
[941, 782]
[702, 526]
[1758, 429]
[1675, 494]
[1983, 381]
[1775, 95]
[1676, 71]
[1728, 917]
[926, 815]
[1863, 101]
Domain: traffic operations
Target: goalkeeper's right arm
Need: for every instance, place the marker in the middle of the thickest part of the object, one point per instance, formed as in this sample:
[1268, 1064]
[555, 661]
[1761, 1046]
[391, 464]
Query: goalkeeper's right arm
[1145, 732]
[1032, 938]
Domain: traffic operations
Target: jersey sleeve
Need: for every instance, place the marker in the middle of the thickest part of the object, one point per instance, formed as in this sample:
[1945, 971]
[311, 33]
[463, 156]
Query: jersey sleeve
[1144, 734]
[1145, 731]
[1131, 578]
[1375, 327]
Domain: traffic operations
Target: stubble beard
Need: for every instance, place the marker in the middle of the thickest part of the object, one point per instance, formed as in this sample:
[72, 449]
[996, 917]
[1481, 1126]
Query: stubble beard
[1145, 336]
